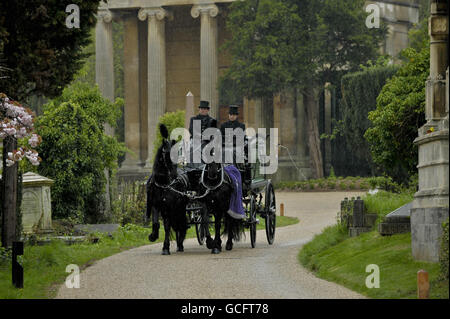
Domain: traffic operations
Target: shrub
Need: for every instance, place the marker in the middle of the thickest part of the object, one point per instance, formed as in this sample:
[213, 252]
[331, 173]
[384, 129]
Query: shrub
[172, 120]
[399, 114]
[364, 185]
[130, 203]
[321, 183]
[331, 184]
[76, 151]
[342, 185]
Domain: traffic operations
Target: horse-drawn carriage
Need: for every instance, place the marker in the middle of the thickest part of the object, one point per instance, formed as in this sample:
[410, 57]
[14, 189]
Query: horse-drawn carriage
[199, 196]
[258, 197]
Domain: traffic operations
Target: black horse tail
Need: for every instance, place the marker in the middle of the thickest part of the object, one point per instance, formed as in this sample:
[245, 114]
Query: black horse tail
[234, 228]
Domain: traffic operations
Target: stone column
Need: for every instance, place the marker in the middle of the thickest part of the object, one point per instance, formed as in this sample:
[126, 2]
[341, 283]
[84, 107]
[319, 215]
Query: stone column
[131, 92]
[104, 58]
[104, 72]
[209, 67]
[156, 71]
[431, 203]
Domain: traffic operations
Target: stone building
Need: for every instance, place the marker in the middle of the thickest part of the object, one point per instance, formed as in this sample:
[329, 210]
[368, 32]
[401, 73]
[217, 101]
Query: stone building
[171, 47]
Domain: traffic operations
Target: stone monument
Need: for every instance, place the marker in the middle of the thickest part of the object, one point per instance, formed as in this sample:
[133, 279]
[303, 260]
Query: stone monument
[36, 205]
[430, 205]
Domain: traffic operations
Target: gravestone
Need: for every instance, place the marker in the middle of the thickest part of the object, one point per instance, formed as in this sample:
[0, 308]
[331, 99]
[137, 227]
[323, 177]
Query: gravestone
[354, 216]
[397, 222]
[36, 205]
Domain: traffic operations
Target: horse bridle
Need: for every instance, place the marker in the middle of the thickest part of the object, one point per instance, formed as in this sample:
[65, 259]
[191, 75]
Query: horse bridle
[222, 179]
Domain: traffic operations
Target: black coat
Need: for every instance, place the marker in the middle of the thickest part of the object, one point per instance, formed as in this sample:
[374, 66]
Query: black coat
[206, 122]
[233, 125]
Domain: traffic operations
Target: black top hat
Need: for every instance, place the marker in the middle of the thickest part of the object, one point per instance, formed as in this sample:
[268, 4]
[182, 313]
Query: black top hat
[234, 110]
[204, 105]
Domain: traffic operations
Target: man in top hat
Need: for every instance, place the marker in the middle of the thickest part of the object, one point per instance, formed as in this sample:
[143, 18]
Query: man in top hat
[232, 122]
[231, 125]
[206, 122]
[203, 116]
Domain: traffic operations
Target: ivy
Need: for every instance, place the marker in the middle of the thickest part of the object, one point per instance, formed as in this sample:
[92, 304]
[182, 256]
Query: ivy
[400, 112]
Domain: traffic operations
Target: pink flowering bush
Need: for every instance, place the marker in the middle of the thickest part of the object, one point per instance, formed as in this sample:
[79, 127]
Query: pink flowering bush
[17, 121]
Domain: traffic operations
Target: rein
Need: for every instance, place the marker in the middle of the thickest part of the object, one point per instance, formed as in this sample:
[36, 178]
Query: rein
[222, 180]
[188, 194]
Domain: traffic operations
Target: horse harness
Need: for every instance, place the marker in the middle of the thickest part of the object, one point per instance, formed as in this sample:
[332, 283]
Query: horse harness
[184, 180]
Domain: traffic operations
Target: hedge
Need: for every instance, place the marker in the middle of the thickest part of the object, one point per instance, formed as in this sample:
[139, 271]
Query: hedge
[359, 96]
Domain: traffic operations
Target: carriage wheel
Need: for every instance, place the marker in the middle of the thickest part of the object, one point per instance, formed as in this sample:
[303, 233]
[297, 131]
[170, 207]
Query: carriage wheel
[201, 233]
[270, 212]
[253, 221]
[201, 229]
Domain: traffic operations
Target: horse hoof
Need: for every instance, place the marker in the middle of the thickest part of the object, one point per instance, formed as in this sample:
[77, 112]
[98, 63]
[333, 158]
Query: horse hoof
[209, 243]
[229, 246]
[215, 251]
[165, 252]
[180, 249]
[152, 237]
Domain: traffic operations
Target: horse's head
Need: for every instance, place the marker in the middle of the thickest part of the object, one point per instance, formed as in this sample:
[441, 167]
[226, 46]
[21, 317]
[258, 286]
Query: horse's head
[163, 163]
[213, 170]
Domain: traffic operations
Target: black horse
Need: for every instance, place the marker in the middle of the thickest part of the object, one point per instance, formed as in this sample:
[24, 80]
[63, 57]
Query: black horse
[165, 197]
[219, 186]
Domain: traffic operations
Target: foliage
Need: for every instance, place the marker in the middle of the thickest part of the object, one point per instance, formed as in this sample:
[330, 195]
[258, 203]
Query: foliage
[42, 53]
[172, 120]
[443, 254]
[278, 44]
[383, 202]
[76, 151]
[398, 116]
[355, 183]
[359, 94]
[130, 202]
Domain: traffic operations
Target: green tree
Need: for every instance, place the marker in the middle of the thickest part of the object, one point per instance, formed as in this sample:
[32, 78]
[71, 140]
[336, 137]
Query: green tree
[75, 151]
[39, 53]
[282, 44]
[42, 53]
[399, 114]
[359, 94]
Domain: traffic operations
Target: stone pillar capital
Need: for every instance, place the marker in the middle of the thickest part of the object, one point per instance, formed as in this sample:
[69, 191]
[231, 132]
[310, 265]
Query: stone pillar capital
[104, 15]
[154, 12]
[211, 9]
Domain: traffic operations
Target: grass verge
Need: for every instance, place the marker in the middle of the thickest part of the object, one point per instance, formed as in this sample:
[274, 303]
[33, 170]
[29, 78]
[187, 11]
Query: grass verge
[45, 266]
[334, 256]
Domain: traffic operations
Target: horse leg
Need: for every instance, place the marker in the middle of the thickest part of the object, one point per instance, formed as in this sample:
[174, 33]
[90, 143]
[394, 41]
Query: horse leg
[155, 226]
[217, 246]
[229, 245]
[180, 240]
[166, 246]
[209, 240]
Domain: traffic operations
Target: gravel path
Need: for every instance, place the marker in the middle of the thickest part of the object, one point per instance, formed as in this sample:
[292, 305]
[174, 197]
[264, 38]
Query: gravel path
[263, 272]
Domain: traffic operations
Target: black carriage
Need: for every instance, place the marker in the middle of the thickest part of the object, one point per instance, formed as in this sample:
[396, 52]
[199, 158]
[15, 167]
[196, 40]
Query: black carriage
[258, 199]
